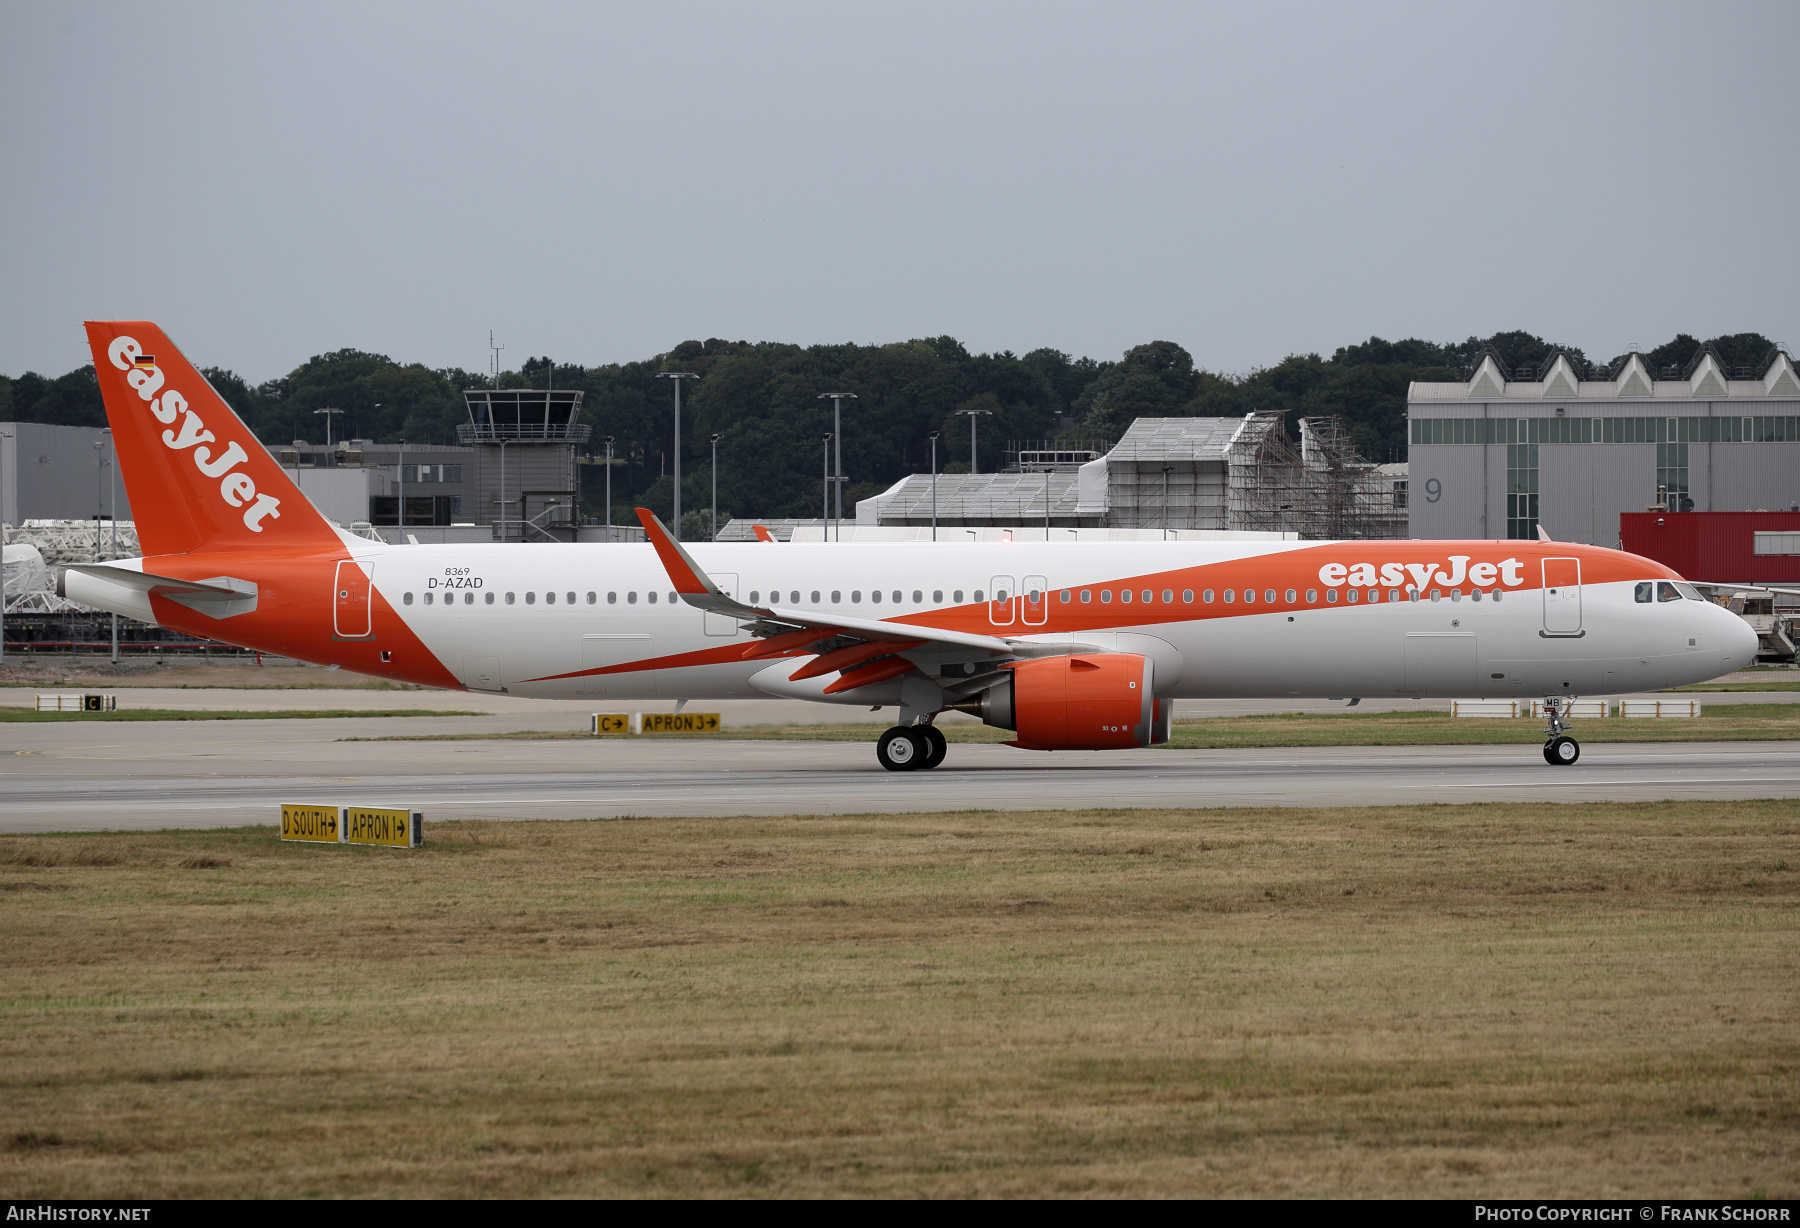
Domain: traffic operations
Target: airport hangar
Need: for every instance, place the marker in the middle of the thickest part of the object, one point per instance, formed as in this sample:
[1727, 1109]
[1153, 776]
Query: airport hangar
[1573, 448]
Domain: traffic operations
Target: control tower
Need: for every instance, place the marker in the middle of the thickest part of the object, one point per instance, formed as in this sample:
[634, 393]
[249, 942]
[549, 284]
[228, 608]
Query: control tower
[524, 463]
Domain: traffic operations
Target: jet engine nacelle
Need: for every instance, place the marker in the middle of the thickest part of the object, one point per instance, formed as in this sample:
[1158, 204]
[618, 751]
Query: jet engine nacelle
[1088, 701]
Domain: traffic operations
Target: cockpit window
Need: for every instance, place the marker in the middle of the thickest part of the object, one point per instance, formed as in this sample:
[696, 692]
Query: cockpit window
[1667, 592]
[1688, 591]
[1646, 591]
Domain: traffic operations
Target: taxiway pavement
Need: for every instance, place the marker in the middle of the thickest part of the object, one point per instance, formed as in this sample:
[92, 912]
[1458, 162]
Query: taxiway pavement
[70, 776]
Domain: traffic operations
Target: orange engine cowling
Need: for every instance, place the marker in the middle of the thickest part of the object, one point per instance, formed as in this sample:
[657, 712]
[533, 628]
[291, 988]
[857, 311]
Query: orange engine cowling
[1090, 701]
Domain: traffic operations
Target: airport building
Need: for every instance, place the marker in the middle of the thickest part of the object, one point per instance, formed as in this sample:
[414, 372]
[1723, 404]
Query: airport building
[1187, 476]
[58, 473]
[1502, 452]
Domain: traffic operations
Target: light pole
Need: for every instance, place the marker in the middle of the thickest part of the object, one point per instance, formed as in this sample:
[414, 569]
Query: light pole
[715, 503]
[402, 469]
[934, 439]
[837, 429]
[825, 490]
[328, 413]
[974, 463]
[677, 376]
[3, 436]
[609, 444]
[113, 524]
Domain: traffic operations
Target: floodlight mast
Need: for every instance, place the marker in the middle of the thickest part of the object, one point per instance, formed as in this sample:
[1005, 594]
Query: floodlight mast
[609, 444]
[934, 439]
[825, 487]
[715, 489]
[974, 461]
[328, 412]
[837, 430]
[677, 376]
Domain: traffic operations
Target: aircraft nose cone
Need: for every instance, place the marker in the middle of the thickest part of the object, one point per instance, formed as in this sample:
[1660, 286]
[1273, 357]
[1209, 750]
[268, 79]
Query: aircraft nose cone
[1740, 642]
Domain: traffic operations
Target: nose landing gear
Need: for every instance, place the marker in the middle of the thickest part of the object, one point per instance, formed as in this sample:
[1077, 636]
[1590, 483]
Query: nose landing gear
[1560, 750]
[907, 748]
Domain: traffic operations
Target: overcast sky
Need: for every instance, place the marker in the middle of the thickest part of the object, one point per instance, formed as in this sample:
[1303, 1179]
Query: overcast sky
[599, 182]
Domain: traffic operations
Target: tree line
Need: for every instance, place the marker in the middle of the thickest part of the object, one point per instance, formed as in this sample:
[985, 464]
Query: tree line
[762, 399]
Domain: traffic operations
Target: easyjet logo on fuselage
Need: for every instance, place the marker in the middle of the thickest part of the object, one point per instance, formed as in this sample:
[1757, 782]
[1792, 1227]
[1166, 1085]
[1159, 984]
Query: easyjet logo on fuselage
[1508, 572]
[235, 486]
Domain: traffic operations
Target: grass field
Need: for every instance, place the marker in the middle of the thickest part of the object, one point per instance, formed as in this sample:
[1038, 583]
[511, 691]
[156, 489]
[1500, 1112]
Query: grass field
[28, 716]
[1581, 1000]
[1724, 723]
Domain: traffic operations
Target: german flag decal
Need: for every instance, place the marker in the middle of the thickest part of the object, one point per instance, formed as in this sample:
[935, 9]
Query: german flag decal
[144, 360]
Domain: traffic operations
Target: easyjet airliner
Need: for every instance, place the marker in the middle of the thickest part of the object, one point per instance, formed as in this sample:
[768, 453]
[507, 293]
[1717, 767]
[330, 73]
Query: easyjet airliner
[1071, 646]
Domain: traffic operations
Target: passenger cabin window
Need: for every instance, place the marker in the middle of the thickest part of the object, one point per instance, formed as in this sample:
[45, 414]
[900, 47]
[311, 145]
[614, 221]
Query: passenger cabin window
[918, 596]
[1269, 596]
[957, 596]
[489, 599]
[1291, 594]
[752, 596]
[1064, 596]
[549, 598]
[898, 595]
[650, 597]
[1312, 595]
[630, 598]
[937, 595]
[1168, 596]
[1230, 595]
[612, 599]
[815, 597]
[571, 598]
[530, 598]
[1187, 596]
[836, 596]
[1087, 595]
[978, 596]
[593, 598]
[510, 598]
[1331, 596]
[1125, 595]
[427, 598]
[1106, 596]
[407, 600]
[1206, 595]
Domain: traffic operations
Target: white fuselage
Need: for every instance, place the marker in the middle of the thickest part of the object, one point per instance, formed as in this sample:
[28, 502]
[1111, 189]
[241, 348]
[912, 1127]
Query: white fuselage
[485, 612]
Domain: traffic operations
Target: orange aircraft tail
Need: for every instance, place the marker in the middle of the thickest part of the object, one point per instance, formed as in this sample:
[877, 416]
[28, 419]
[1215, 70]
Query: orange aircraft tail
[197, 478]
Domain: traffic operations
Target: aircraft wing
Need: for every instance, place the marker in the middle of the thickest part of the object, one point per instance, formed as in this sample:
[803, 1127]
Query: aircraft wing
[1750, 588]
[697, 589]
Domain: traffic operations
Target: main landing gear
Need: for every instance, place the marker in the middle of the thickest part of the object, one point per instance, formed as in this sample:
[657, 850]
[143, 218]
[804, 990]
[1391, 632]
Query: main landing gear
[1560, 750]
[906, 748]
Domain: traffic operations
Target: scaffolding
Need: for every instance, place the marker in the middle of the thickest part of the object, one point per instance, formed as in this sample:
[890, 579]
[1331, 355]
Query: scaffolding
[1320, 488]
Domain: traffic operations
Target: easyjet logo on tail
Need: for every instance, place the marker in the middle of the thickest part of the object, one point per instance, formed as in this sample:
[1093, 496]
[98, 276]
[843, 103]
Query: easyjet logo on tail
[1509, 572]
[235, 486]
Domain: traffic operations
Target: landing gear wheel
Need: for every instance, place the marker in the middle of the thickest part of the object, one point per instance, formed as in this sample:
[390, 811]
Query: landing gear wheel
[900, 749]
[936, 746]
[1561, 751]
